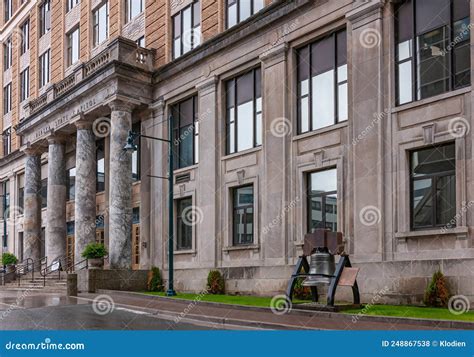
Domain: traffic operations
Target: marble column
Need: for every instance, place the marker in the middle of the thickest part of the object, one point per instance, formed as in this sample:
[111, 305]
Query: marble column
[85, 194]
[56, 211]
[32, 206]
[120, 199]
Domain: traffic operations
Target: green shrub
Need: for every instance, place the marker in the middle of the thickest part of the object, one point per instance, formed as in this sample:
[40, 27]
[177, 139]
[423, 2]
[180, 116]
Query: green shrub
[437, 292]
[94, 251]
[215, 282]
[155, 283]
[9, 259]
[301, 292]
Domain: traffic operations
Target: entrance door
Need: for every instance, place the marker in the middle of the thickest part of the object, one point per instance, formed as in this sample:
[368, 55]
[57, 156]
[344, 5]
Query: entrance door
[70, 243]
[136, 239]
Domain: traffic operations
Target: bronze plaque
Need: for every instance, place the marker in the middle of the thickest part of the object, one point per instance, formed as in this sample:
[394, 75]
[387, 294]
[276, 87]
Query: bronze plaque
[348, 276]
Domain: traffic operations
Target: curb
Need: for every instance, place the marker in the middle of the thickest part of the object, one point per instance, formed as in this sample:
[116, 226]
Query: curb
[461, 325]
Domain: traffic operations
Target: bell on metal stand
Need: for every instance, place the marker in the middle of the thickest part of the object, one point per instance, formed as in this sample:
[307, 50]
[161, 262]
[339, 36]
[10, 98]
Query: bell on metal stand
[321, 268]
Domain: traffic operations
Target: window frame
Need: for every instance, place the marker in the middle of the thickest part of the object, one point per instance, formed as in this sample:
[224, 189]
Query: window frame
[238, 20]
[96, 23]
[310, 196]
[414, 38]
[71, 4]
[8, 54]
[177, 129]
[100, 149]
[235, 208]
[70, 185]
[44, 72]
[70, 46]
[434, 179]
[24, 84]
[7, 141]
[25, 36]
[180, 221]
[256, 142]
[44, 17]
[194, 27]
[8, 10]
[136, 128]
[7, 99]
[337, 83]
[128, 10]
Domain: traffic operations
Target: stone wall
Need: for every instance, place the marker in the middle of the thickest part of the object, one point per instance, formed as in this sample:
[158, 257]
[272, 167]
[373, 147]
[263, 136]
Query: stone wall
[127, 280]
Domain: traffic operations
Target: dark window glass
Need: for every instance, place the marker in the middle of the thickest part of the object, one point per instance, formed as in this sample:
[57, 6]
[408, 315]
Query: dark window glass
[432, 51]
[136, 215]
[186, 29]
[322, 83]
[433, 187]
[73, 47]
[243, 215]
[184, 225]
[71, 184]
[44, 69]
[7, 98]
[71, 4]
[6, 199]
[25, 84]
[7, 141]
[322, 200]
[186, 132]
[44, 17]
[21, 198]
[8, 8]
[244, 112]
[101, 23]
[25, 37]
[7, 54]
[136, 128]
[44, 193]
[239, 10]
[100, 165]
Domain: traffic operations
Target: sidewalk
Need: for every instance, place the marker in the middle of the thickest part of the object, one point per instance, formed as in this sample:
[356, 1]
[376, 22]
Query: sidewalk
[264, 318]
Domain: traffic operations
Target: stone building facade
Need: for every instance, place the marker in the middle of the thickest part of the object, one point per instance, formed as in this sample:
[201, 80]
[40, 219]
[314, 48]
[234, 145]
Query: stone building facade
[288, 115]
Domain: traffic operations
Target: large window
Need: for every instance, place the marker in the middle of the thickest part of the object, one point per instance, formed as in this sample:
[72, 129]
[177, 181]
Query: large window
[44, 69]
[186, 29]
[71, 184]
[322, 83]
[101, 23]
[134, 8]
[7, 98]
[433, 187]
[7, 54]
[243, 214]
[322, 200]
[73, 47]
[432, 51]
[7, 141]
[8, 8]
[136, 128]
[44, 17]
[25, 84]
[70, 4]
[184, 227]
[244, 112]
[21, 193]
[100, 173]
[239, 10]
[25, 37]
[185, 132]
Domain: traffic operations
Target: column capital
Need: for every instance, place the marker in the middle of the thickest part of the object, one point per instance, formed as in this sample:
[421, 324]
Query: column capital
[33, 150]
[83, 124]
[121, 105]
[57, 138]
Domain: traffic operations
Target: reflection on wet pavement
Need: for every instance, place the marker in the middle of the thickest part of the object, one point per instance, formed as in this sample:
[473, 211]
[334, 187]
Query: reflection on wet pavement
[30, 299]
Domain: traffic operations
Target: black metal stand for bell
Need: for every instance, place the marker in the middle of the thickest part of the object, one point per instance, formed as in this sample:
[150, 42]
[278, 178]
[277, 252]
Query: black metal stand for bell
[322, 246]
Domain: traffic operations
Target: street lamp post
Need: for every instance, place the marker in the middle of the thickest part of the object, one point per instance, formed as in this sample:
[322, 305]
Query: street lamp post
[4, 205]
[130, 146]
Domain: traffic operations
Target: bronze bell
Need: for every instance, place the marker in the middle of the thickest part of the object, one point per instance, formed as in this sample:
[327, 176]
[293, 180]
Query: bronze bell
[321, 263]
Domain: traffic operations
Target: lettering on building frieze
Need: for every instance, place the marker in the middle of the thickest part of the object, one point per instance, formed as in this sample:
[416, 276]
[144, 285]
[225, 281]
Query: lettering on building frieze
[63, 120]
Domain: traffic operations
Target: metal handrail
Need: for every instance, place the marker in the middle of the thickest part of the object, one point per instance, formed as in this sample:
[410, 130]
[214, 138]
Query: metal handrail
[70, 267]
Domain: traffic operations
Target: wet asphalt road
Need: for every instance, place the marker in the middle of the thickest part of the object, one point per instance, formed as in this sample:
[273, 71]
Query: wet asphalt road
[56, 312]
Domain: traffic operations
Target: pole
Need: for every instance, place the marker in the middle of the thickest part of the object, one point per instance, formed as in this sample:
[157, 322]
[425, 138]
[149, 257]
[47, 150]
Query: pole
[170, 291]
[4, 240]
